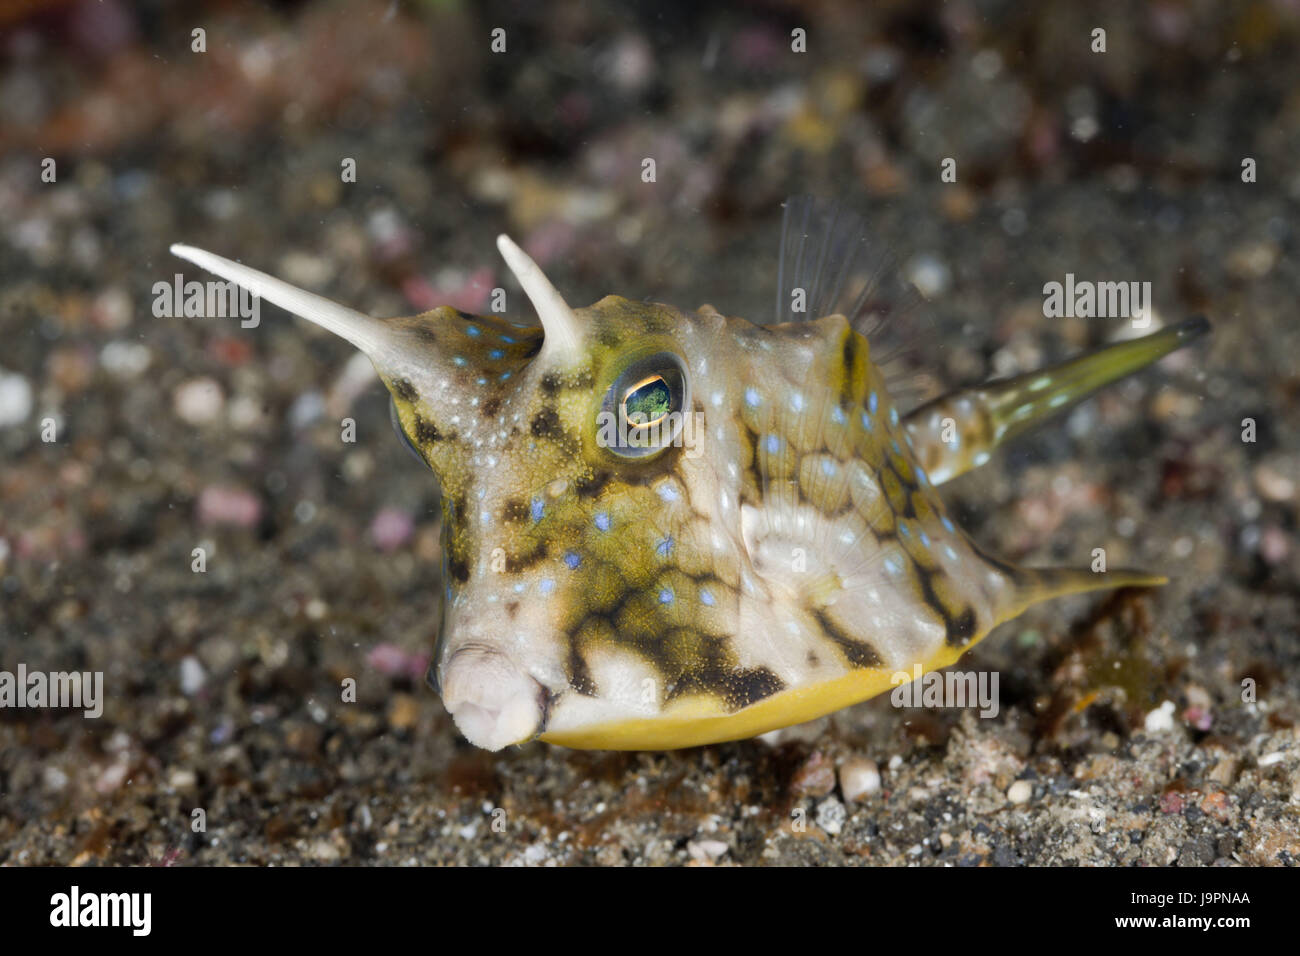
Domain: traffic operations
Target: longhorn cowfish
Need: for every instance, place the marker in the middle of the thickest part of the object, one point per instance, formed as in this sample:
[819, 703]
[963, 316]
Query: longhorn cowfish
[663, 528]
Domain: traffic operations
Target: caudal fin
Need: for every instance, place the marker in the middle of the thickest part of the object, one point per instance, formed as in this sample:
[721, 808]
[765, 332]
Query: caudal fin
[1042, 584]
[959, 431]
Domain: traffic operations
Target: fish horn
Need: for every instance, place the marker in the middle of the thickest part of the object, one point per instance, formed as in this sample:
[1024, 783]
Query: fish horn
[370, 335]
[562, 331]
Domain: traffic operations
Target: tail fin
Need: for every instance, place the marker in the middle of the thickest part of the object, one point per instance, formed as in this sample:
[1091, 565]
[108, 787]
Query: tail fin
[958, 431]
[1032, 585]
[1024, 587]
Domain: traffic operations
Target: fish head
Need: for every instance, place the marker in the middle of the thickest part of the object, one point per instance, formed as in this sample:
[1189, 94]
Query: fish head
[590, 576]
[601, 478]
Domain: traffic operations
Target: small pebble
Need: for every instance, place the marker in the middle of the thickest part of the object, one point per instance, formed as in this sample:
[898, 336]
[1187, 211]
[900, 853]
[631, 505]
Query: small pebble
[859, 777]
[1161, 719]
[111, 309]
[391, 528]
[246, 413]
[125, 359]
[193, 676]
[15, 399]
[1253, 260]
[1224, 772]
[325, 851]
[403, 712]
[706, 851]
[535, 854]
[831, 815]
[1020, 791]
[303, 269]
[1274, 485]
[113, 776]
[1274, 545]
[198, 401]
[930, 275]
[306, 408]
[392, 661]
[228, 505]
[54, 778]
[72, 369]
[816, 777]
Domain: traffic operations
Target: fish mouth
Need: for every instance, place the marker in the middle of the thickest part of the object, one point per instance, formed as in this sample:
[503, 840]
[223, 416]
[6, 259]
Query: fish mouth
[492, 701]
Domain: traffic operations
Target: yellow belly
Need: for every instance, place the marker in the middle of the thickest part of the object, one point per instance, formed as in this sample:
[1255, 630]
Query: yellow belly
[696, 721]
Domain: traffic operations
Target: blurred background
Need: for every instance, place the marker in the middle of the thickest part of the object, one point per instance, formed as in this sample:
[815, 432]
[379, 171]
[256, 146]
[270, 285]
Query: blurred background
[322, 557]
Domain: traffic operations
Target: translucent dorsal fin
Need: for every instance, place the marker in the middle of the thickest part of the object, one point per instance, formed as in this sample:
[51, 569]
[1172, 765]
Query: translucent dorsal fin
[831, 263]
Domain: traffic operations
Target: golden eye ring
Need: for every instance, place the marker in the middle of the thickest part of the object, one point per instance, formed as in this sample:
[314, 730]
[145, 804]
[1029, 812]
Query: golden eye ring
[642, 411]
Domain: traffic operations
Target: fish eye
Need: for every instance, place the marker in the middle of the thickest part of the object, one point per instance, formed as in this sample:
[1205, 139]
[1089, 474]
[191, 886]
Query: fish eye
[401, 433]
[642, 411]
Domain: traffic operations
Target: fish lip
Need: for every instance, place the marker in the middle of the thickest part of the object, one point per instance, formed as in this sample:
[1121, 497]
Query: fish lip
[493, 701]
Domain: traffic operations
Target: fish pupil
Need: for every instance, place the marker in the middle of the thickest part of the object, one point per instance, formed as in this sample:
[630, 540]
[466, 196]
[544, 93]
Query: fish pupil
[647, 402]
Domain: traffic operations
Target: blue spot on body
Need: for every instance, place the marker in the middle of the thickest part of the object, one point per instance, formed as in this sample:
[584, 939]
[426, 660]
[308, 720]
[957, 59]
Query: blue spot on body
[496, 354]
[894, 445]
[904, 530]
[925, 539]
[508, 339]
[458, 360]
[602, 520]
[893, 416]
[666, 596]
[828, 467]
[504, 376]
[796, 402]
[521, 587]
[546, 585]
[947, 523]
[921, 476]
[667, 492]
[706, 598]
[867, 423]
[538, 509]
[837, 415]
[871, 403]
[482, 381]
[665, 546]
[473, 330]
[572, 559]
[773, 444]
[752, 398]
